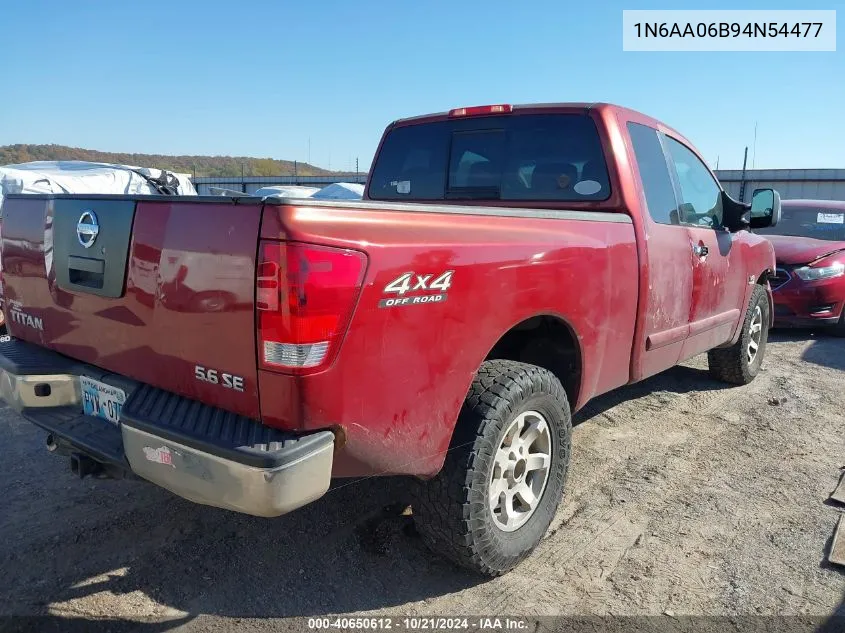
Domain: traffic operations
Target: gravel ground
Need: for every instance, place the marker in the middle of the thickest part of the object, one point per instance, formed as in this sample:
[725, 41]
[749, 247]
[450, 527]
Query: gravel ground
[685, 498]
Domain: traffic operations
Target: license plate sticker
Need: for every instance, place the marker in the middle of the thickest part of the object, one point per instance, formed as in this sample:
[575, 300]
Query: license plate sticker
[101, 400]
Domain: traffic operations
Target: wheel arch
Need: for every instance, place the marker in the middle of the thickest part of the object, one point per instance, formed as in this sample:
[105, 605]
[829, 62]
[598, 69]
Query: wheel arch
[762, 280]
[547, 340]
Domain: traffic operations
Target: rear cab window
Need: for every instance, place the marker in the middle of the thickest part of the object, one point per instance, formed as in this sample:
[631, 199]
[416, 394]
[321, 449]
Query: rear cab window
[530, 157]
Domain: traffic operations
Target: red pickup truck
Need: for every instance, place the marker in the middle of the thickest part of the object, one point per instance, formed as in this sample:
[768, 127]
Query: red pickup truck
[507, 265]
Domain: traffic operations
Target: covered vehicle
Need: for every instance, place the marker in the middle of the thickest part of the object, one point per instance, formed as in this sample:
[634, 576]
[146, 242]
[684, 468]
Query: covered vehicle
[76, 176]
[809, 285]
[83, 177]
[340, 191]
[286, 191]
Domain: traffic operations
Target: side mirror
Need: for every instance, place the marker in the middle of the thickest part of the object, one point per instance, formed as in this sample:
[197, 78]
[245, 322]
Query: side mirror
[765, 208]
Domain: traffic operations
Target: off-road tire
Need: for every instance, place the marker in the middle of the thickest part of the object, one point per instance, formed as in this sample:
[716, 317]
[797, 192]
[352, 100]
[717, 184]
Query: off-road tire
[451, 511]
[730, 364]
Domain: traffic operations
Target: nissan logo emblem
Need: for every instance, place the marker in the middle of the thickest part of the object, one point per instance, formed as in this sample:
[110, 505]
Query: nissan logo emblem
[87, 229]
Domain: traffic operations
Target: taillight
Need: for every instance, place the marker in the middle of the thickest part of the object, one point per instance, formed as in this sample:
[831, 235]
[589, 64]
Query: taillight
[502, 108]
[304, 297]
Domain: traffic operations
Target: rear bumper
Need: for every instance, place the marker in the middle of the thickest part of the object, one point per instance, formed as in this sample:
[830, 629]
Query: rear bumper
[198, 452]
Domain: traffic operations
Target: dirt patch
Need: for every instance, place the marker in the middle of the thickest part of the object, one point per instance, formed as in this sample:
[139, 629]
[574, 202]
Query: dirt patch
[685, 497]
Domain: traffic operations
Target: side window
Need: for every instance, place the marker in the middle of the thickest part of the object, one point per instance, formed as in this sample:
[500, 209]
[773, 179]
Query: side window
[657, 184]
[702, 199]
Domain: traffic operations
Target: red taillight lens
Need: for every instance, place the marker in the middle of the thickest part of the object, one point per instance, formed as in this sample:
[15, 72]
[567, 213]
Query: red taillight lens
[304, 297]
[502, 108]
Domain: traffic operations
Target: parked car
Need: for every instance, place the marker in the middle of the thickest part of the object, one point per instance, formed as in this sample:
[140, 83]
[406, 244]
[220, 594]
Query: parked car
[809, 284]
[507, 265]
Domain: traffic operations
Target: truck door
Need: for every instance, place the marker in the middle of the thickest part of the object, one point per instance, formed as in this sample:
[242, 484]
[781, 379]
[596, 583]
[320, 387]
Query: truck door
[668, 302]
[718, 275]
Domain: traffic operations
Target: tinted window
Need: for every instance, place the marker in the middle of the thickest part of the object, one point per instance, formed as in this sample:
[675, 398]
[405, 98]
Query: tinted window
[476, 161]
[516, 157]
[817, 222]
[702, 196]
[657, 184]
[411, 164]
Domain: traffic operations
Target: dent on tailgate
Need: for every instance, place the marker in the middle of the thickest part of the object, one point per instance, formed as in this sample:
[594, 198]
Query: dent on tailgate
[187, 299]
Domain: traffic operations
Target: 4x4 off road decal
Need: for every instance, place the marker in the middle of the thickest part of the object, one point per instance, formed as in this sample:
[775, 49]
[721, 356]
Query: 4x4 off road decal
[423, 288]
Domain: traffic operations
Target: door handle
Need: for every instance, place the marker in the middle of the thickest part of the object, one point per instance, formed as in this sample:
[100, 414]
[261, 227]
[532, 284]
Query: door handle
[700, 250]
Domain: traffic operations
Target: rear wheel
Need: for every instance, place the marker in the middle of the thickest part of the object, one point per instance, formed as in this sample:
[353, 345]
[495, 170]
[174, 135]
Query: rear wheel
[504, 474]
[740, 363]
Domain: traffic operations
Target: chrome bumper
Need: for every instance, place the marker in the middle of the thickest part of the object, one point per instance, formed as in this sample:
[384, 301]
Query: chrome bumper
[212, 480]
[51, 390]
[191, 473]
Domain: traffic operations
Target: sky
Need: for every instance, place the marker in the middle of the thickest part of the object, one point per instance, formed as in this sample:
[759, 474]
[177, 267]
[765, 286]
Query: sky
[321, 80]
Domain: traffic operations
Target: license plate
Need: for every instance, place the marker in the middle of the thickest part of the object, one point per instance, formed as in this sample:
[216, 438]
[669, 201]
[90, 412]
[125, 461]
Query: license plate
[101, 400]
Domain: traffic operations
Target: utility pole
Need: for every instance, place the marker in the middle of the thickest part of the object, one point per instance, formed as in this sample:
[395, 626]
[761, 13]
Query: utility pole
[356, 168]
[294, 170]
[742, 179]
[309, 150]
[754, 152]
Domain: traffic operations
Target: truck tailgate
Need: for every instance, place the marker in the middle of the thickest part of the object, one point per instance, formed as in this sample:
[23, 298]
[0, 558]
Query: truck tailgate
[157, 289]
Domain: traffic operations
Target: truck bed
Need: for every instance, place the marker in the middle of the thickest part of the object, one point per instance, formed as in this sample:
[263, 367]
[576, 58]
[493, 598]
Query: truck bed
[189, 301]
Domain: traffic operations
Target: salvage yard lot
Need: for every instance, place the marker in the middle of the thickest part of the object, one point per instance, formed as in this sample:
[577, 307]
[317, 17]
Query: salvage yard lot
[684, 497]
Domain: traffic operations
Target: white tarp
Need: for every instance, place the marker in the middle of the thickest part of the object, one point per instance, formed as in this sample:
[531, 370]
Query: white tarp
[73, 176]
[340, 191]
[286, 191]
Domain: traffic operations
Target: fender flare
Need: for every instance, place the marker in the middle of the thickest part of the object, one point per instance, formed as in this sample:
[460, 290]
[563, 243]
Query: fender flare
[762, 279]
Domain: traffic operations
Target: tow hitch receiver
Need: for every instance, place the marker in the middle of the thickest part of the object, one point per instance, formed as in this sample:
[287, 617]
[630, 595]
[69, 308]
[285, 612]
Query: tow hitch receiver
[82, 466]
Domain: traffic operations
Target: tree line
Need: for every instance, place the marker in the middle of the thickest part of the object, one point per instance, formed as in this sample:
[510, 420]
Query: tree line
[199, 166]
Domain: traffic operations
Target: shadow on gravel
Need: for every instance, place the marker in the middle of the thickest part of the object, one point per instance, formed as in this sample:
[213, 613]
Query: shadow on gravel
[829, 352]
[352, 550]
[678, 380]
[48, 624]
[828, 548]
[825, 350]
[836, 622]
